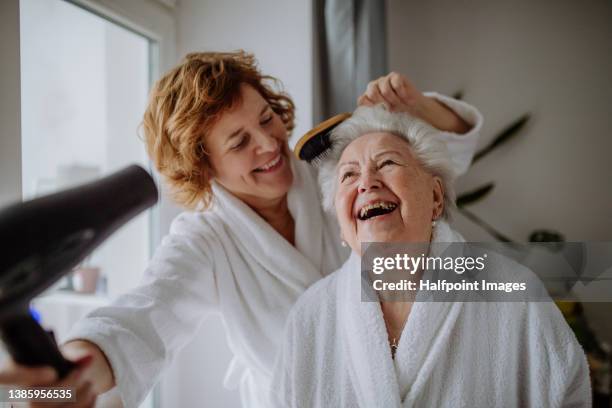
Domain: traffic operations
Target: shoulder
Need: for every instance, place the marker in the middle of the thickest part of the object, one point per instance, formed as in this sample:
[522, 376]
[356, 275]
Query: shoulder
[547, 321]
[192, 234]
[555, 344]
[197, 225]
[545, 332]
[537, 318]
[193, 222]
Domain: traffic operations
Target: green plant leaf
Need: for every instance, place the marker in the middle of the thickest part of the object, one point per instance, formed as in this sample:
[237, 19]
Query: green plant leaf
[474, 195]
[458, 95]
[503, 137]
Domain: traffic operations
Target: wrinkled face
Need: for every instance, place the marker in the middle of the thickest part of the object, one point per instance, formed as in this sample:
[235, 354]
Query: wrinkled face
[248, 150]
[383, 193]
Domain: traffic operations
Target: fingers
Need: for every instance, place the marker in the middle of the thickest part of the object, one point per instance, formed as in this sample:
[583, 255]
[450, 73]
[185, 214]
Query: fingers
[76, 377]
[399, 83]
[84, 397]
[373, 92]
[76, 381]
[393, 90]
[363, 100]
[388, 92]
[24, 376]
[405, 90]
[15, 374]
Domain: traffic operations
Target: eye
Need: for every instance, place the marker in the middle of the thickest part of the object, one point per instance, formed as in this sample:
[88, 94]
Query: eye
[347, 175]
[241, 143]
[387, 162]
[265, 120]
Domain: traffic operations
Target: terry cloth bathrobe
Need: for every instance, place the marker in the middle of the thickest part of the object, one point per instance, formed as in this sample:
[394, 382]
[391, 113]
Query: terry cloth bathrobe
[228, 260]
[450, 354]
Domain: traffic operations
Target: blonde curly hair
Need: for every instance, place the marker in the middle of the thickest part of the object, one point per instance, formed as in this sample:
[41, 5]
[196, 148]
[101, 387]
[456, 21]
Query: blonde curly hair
[186, 103]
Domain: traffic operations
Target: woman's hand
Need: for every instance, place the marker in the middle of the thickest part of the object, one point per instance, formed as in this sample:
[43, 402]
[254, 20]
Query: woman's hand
[91, 377]
[400, 95]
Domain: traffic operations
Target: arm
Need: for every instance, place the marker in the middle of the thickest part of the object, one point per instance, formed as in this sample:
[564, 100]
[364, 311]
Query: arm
[141, 331]
[459, 122]
[99, 372]
[129, 342]
[400, 95]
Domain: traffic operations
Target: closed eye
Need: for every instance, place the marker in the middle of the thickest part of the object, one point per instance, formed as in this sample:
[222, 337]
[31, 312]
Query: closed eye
[243, 141]
[387, 162]
[347, 175]
[266, 120]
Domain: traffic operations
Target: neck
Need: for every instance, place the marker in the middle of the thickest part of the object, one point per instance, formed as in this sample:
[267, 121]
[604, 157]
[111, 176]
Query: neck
[395, 315]
[272, 210]
[276, 213]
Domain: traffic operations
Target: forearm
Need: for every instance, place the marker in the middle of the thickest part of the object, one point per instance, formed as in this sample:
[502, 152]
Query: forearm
[440, 116]
[101, 373]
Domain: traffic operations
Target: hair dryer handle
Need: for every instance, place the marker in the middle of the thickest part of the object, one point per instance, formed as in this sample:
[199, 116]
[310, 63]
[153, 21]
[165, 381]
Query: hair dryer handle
[30, 345]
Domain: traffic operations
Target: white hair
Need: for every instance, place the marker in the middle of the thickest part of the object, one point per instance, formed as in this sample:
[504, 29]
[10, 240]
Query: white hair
[421, 137]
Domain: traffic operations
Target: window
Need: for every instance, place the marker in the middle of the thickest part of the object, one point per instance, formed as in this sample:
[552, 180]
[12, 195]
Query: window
[84, 86]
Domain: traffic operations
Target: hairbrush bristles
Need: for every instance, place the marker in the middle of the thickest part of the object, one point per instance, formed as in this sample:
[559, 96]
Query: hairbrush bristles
[315, 145]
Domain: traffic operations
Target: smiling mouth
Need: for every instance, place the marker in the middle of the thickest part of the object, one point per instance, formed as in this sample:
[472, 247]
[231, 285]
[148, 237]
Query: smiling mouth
[377, 209]
[271, 165]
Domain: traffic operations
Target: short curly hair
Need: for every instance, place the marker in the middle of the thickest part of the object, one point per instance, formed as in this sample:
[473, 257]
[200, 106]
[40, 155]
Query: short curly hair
[186, 103]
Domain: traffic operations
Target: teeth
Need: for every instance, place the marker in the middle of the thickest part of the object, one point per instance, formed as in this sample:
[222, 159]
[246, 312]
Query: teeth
[387, 206]
[270, 164]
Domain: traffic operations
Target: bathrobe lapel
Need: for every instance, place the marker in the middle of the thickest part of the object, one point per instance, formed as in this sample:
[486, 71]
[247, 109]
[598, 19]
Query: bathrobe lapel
[268, 273]
[365, 337]
[424, 339]
[427, 332]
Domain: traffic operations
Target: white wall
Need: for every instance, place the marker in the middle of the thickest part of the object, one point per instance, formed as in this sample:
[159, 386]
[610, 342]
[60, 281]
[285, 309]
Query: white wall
[10, 120]
[279, 33]
[550, 57]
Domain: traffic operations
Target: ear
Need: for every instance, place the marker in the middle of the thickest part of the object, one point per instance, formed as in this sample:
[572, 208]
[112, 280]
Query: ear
[438, 198]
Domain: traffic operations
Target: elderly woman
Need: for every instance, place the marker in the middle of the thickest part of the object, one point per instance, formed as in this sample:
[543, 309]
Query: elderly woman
[390, 182]
[255, 237]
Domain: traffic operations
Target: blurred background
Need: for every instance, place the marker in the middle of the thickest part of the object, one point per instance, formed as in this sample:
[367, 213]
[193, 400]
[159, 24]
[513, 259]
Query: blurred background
[75, 75]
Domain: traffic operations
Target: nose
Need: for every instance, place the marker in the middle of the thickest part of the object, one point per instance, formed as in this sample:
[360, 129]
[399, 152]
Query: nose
[265, 141]
[368, 181]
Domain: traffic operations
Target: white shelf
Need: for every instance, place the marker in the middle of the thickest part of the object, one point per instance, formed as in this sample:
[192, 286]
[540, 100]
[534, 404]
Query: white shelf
[74, 298]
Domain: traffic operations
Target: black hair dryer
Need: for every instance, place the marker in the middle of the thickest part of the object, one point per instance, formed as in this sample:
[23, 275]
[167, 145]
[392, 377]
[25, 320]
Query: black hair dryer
[43, 239]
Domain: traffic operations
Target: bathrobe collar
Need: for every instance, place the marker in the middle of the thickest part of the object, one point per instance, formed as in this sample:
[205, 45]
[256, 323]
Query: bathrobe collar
[398, 381]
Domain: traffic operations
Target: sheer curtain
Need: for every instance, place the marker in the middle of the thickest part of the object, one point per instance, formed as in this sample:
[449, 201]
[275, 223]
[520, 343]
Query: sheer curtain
[350, 50]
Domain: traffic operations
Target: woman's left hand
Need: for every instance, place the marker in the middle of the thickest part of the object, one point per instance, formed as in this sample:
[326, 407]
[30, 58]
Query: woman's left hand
[398, 94]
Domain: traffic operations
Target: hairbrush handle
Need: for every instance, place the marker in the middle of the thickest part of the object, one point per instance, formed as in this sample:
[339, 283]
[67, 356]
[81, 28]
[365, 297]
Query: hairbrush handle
[315, 143]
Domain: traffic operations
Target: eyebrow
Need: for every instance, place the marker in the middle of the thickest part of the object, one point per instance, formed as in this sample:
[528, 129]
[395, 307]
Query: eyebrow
[387, 152]
[377, 155]
[240, 129]
[354, 163]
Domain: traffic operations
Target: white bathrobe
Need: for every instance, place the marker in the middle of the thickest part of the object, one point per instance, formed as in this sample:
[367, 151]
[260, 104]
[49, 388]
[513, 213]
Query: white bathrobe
[230, 261]
[336, 351]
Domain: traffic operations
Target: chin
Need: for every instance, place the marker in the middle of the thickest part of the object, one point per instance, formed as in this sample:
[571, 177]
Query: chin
[285, 181]
[379, 235]
[281, 185]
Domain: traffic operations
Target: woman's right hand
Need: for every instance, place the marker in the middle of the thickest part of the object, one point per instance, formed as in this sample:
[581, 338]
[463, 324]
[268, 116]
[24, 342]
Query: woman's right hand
[399, 94]
[88, 379]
